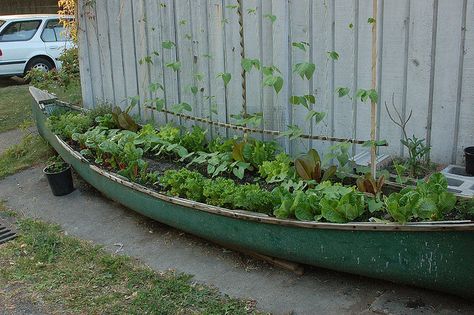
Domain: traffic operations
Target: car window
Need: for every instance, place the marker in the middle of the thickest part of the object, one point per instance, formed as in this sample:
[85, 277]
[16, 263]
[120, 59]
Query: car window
[19, 31]
[54, 31]
[2, 22]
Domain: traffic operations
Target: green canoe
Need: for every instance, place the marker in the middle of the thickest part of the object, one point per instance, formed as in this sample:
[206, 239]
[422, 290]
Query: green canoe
[438, 255]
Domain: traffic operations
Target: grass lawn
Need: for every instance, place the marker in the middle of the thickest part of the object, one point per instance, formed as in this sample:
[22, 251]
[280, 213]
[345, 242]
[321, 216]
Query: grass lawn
[31, 151]
[15, 102]
[15, 109]
[73, 276]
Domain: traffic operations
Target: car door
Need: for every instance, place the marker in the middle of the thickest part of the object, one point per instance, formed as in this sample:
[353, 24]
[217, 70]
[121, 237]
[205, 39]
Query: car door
[16, 44]
[55, 38]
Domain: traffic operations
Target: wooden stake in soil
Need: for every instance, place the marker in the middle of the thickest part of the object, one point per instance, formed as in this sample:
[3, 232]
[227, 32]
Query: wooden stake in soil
[373, 110]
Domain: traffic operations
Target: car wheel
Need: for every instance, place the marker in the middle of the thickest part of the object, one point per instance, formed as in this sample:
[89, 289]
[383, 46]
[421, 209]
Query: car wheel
[40, 64]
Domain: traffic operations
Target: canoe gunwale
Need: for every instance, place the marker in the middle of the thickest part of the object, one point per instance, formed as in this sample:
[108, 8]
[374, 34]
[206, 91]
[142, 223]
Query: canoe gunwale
[245, 215]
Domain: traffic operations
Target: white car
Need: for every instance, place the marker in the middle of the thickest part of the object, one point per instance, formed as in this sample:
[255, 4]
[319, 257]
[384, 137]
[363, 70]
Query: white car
[31, 41]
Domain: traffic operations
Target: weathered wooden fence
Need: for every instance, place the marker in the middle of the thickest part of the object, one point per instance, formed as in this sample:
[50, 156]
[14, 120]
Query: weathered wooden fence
[425, 60]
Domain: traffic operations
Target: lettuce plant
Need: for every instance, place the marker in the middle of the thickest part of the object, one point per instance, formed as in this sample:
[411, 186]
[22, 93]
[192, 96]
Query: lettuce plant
[278, 170]
[429, 200]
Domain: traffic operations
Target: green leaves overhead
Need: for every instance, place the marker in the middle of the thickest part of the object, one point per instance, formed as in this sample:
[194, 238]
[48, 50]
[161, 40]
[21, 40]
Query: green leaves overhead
[304, 69]
[226, 77]
[371, 20]
[248, 64]
[167, 44]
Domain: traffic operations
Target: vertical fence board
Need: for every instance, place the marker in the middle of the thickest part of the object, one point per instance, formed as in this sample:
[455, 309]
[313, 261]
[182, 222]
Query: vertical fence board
[84, 65]
[169, 56]
[343, 67]
[466, 117]
[153, 32]
[232, 55]
[185, 55]
[130, 61]
[252, 41]
[115, 37]
[141, 50]
[322, 42]
[266, 57]
[364, 64]
[418, 67]
[94, 53]
[104, 52]
[281, 52]
[299, 34]
[446, 79]
[394, 57]
[217, 65]
[200, 49]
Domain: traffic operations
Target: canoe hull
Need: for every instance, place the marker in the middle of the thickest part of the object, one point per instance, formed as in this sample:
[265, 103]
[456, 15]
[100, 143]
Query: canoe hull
[440, 260]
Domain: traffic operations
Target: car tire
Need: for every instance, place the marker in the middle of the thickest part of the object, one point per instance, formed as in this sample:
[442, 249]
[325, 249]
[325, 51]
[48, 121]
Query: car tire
[39, 63]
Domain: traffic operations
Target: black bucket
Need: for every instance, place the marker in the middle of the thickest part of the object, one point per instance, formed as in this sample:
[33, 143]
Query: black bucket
[469, 154]
[60, 183]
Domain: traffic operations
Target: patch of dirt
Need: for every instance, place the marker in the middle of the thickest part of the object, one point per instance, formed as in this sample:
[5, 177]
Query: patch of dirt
[14, 300]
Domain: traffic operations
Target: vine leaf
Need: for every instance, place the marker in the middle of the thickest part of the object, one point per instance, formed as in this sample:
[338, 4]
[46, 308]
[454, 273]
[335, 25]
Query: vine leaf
[300, 45]
[226, 76]
[155, 87]
[275, 81]
[174, 65]
[305, 100]
[342, 91]
[271, 17]
[292, 133]
[333, 55]
[319, 116]
[304, 69]
[248, 64]
[167, 44]
[367, 94]
[181, 107]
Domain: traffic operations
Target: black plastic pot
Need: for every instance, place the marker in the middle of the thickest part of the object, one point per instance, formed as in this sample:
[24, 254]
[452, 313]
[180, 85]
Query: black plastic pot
[469, 154]
[60, 183]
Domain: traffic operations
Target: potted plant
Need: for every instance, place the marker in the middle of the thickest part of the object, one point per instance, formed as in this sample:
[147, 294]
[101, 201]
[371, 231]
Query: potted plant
[59, 176]
[469, 154]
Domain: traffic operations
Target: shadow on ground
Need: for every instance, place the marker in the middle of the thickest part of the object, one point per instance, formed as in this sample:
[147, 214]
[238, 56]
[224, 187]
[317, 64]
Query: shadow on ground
[4, 82]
